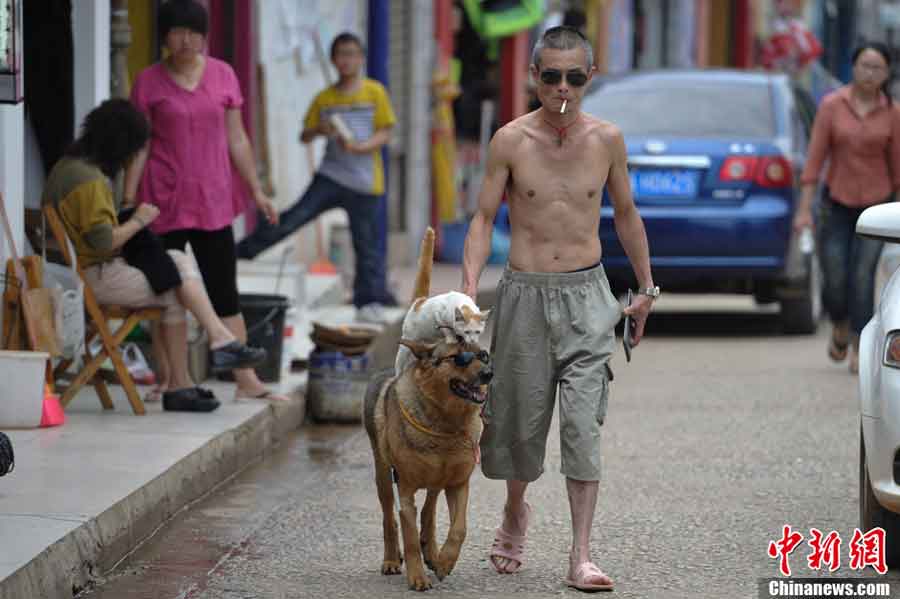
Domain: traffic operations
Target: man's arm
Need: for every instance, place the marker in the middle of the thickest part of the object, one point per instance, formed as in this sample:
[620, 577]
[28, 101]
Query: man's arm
[378, 139]
[313, 123]
[629, 228]
[324, 129]
[478, 240]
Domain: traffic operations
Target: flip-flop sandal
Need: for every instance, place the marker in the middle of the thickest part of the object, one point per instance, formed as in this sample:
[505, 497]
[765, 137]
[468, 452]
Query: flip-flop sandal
[837, 351]
[153, 395]
[585, 571]
[264, 395]
[509, 546]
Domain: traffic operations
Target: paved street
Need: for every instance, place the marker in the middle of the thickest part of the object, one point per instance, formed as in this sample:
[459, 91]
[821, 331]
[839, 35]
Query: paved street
[719, 432]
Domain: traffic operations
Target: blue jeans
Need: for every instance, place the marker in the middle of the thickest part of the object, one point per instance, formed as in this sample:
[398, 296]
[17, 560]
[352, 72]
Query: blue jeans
[848, 264]
[324, 194]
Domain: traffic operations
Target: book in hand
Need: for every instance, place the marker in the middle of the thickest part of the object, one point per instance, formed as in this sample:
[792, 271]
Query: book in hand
[341, 127]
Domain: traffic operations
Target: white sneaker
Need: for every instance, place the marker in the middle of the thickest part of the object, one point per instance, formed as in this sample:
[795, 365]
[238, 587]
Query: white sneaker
[373, 313]
[137, 365]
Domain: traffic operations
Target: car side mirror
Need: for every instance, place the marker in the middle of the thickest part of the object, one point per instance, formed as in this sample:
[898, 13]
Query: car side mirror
[880, 222]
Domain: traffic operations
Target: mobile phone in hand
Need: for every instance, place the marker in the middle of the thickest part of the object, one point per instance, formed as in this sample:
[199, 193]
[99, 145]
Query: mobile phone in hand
[628, 332]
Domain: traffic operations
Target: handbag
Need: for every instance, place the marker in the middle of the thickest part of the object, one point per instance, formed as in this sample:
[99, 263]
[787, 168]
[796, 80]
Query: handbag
[36, 302]
[67, 293]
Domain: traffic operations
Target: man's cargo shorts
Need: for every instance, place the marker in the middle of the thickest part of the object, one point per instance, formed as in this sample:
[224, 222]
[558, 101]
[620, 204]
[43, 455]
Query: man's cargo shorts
[550, 330]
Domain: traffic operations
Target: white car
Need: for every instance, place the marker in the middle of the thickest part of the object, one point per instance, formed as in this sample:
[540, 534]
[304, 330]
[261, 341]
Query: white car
[879, 393]
[889, 262]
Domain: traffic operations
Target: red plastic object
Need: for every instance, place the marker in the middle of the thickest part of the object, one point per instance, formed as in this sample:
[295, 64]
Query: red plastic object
[52, 413]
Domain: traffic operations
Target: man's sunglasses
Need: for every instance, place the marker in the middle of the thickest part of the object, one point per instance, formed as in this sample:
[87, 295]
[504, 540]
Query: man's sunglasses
[574, 78]
[463, 359]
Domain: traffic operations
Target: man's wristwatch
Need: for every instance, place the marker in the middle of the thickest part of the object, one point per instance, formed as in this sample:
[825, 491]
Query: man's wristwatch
[651, 291]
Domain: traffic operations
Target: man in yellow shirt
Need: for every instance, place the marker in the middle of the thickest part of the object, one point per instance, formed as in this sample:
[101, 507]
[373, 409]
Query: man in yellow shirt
[351, 175]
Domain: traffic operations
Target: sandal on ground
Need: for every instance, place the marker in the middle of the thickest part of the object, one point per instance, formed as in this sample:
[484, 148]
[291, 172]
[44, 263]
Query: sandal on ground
[837, 348]
[586, 571]
[265, 394]
[155, 394]
[235, 355]
[509, 546]
[191, 399]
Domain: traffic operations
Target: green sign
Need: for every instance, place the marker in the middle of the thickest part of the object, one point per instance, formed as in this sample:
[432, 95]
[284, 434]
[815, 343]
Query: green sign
[507, 19]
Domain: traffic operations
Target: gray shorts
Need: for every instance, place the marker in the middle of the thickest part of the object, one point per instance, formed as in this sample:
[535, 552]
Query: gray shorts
[117, 282]
[550, 330]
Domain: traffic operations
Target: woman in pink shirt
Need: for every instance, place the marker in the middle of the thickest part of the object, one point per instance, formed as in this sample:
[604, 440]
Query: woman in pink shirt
[193, 103]
[857, 128]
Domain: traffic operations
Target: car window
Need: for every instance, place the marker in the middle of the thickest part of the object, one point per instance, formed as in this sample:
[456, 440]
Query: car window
[693, 109]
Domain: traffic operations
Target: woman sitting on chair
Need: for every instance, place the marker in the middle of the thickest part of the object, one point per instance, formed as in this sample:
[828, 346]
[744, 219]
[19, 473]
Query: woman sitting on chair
[79, 187]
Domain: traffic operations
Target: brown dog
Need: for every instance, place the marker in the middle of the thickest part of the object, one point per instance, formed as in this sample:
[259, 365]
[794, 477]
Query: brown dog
[424, 426]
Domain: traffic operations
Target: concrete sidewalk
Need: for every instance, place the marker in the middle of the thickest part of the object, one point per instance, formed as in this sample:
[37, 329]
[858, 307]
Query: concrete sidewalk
[84, 495]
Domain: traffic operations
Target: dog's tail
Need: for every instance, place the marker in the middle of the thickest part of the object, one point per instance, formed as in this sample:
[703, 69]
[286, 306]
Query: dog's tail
[426, 259]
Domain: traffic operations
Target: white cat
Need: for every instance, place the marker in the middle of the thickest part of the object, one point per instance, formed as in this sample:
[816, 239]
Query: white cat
[452, 315]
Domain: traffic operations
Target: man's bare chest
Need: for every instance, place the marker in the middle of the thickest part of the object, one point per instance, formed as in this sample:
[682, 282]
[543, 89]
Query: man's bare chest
[570, 177]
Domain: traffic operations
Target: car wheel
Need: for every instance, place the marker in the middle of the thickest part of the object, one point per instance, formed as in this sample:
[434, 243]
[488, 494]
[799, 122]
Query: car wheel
[872, 514]
[764, 293]
[801, 306]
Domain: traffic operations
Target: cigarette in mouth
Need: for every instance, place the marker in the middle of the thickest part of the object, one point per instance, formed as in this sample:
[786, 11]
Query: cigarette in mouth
[562, 109]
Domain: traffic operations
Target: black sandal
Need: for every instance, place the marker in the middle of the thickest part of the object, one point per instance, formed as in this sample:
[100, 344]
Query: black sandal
[837, 350]
[192, 399]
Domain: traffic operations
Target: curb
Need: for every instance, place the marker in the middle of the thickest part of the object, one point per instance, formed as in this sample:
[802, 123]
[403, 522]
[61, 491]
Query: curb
[75, 561]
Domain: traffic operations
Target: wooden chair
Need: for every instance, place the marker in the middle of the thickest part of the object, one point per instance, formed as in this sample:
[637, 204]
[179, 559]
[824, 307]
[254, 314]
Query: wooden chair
[97, 323]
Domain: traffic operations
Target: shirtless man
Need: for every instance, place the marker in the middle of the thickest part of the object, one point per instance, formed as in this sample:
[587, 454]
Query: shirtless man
[555, 314]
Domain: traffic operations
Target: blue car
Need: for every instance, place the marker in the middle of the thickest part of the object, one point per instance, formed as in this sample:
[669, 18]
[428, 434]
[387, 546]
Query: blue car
[715, 158]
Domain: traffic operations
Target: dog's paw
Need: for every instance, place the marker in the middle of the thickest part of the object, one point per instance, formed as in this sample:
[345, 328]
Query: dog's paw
[419, 582]
[389, 567]
[442, 569]
[429, 554]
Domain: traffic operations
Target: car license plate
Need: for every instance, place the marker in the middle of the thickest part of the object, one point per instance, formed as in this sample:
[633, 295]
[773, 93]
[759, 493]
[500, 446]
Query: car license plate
[664, 183]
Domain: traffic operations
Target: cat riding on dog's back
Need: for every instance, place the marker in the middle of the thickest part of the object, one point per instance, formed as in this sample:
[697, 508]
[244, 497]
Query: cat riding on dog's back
[450, 316]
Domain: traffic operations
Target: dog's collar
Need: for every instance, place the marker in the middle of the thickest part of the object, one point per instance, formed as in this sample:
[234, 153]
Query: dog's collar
[421, 427]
